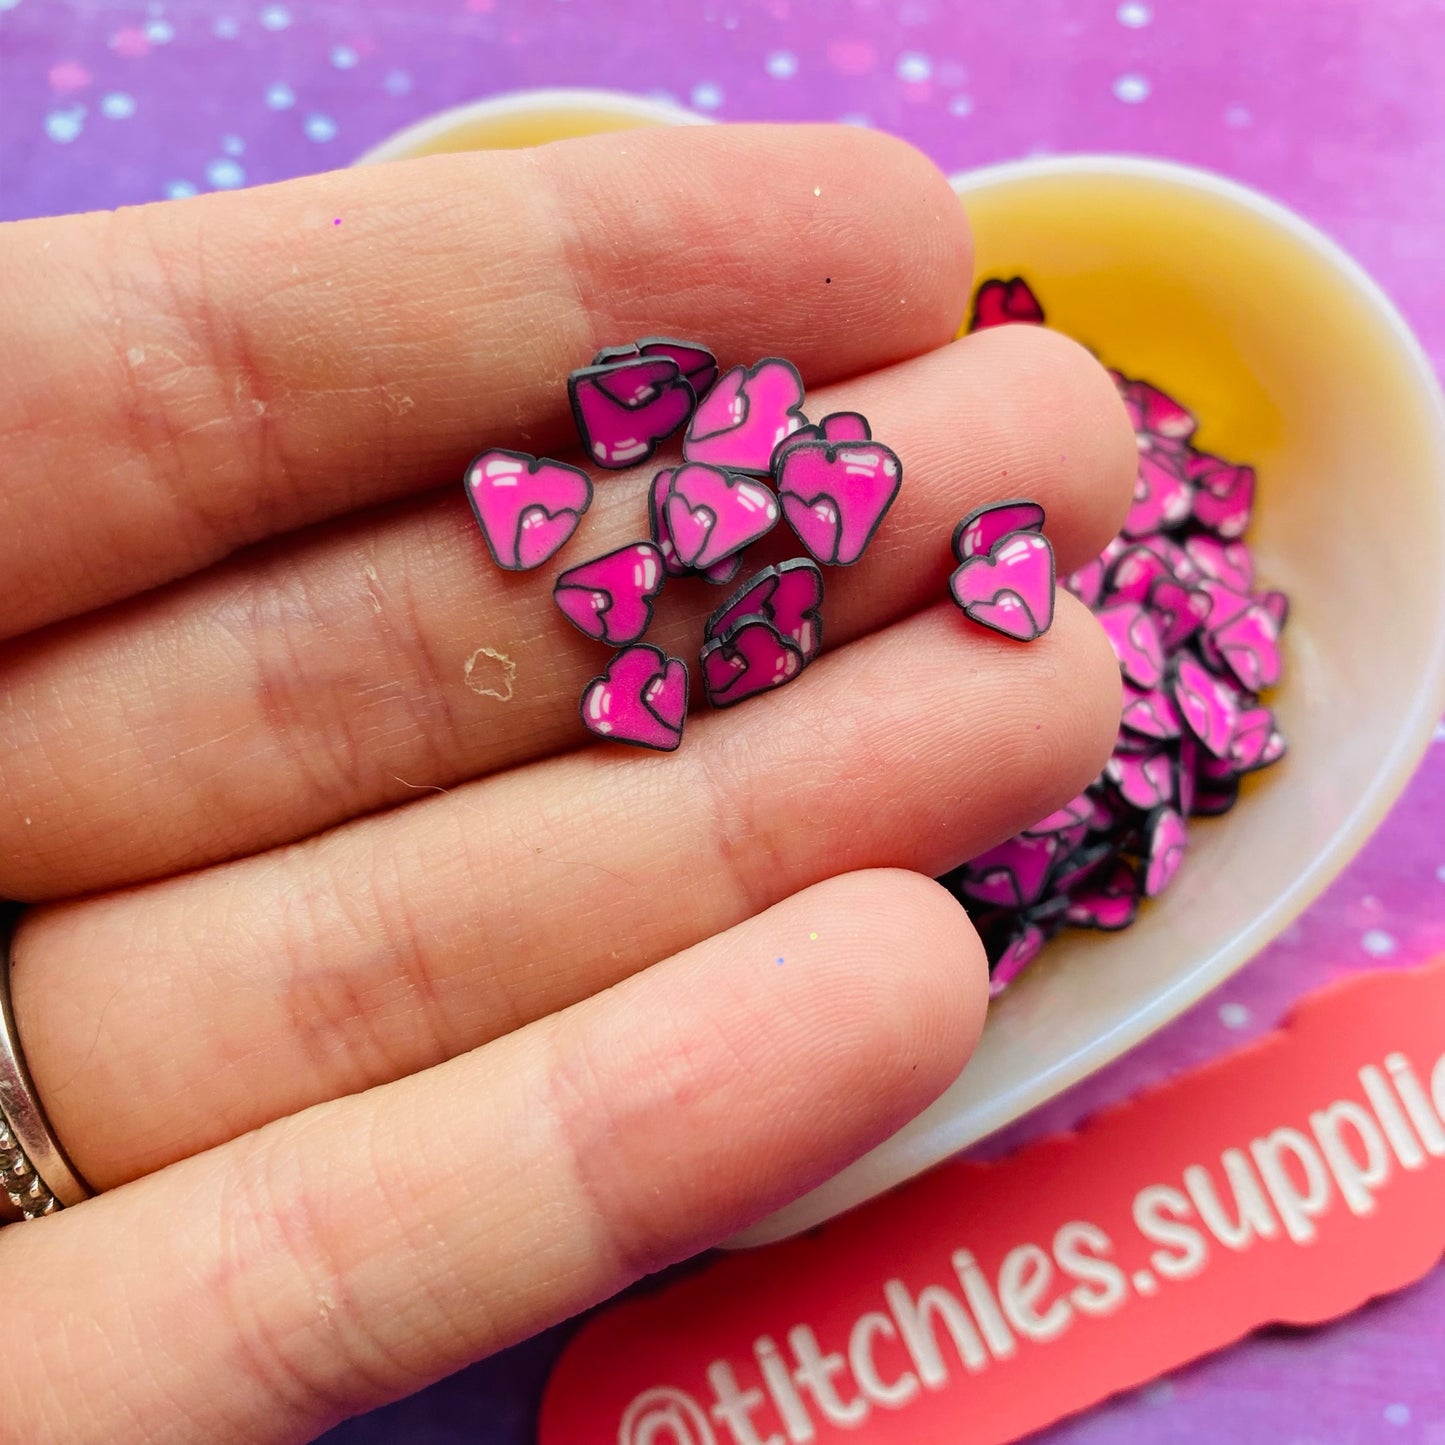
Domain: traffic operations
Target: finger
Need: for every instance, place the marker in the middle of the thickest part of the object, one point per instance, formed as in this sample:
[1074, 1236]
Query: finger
[162, 1021]
[281, 695]
[186, 378]
[355, 1252]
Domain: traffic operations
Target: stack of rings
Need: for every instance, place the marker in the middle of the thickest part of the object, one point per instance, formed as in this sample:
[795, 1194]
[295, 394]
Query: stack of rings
[36, 1176]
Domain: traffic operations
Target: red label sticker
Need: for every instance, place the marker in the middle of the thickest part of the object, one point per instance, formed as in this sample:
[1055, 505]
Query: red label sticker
[1288, 1182]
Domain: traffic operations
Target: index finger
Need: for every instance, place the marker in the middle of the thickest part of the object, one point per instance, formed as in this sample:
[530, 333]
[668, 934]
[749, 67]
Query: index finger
[190, 377]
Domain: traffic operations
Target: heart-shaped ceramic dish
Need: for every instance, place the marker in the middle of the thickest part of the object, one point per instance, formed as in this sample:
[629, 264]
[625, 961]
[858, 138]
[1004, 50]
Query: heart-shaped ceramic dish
[1295, 361]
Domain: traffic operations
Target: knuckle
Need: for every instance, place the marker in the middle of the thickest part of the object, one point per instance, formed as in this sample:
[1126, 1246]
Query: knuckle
[300, 1333]
[616, 1113]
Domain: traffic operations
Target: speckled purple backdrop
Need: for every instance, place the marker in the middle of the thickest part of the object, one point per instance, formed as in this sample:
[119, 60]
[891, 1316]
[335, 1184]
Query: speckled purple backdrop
[1336, 106]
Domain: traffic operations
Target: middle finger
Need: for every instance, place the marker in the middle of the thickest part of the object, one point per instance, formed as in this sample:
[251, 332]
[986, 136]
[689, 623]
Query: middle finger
[317, 680]
[163, 1020]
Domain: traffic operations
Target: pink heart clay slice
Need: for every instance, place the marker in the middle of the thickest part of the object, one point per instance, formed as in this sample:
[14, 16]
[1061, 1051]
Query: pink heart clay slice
[657, 523]
[1087, 583]
[1227, 562]
[1249, 748]
[748, 411]
[984, 528]
[696, 362]
[1179, 611]
[1179, 562]
[1079, 811]
[1144, 782]
[1249, 646]
[1011, 590]
[527, 508]
[1162, 498]
[1208, 706]
[837, 426]
[788, 595]
[1013, 874]
[1021, 951]
[719, 574]
[1154, 413]
[1225, 603]
[624, 409]
[1135, 640]
[1223, 495]
[754, 657]
[1165, 839]
[641, 699]
[1110, 906]
[1151, 714]
[1277, 605]
[1135, 573]
[610, 597]
[1000, 302]
[835, 497]
[712, 514]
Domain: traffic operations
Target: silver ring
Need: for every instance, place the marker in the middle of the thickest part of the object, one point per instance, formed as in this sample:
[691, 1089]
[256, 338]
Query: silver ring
[35, 1174]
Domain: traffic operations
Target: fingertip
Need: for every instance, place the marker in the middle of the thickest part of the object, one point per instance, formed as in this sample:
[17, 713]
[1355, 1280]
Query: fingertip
[848, 245]
[927, 219]
[1102, 456]
[910, 980]
[1099, 689]
[1064, 397]
[1106, 440]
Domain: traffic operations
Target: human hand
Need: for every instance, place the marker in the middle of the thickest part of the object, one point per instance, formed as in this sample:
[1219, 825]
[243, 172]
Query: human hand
[393, 1023]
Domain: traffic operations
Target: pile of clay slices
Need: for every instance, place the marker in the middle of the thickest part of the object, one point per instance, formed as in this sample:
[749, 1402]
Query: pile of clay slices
[750, 458]
[1198, 641]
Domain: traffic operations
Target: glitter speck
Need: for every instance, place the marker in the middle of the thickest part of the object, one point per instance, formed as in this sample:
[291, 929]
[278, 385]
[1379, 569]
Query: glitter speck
[62, 126]
[913, 67]
[225, 175]
[1131, 89]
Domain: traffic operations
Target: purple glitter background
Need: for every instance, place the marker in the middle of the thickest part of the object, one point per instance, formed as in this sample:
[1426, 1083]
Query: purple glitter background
[1335, 106]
